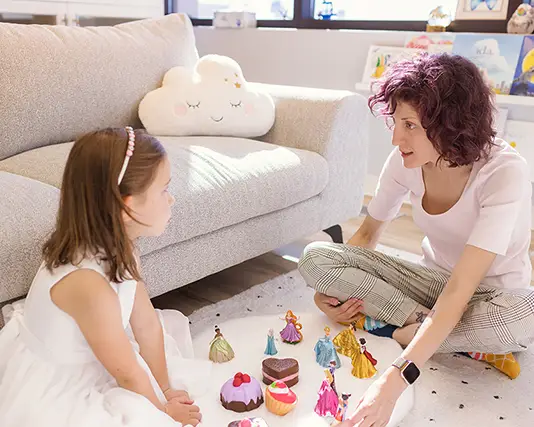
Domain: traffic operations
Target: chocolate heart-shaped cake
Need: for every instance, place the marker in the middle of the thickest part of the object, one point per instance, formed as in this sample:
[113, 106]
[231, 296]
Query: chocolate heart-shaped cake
[286, 370]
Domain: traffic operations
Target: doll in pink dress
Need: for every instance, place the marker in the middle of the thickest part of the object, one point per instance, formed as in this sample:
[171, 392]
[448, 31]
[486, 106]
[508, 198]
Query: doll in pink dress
[291, 333]
[327, 401]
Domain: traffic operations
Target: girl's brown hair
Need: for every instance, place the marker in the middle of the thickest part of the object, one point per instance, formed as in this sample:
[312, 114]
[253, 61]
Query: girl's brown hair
[90, 217]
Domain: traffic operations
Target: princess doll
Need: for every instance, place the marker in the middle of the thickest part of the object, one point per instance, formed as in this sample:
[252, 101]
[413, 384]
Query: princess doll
[362, 365]
[291, 333]
[270, 350]
[220, 350]
[341, 413]
[346, 343]
[365, 352]
[327, 401]
[325, 351]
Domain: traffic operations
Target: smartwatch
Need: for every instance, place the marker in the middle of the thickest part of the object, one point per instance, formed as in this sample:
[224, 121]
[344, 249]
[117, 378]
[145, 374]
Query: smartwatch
[409, 370]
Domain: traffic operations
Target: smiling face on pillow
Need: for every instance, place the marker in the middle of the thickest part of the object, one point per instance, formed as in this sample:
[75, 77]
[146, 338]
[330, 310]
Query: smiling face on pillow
[212, 99]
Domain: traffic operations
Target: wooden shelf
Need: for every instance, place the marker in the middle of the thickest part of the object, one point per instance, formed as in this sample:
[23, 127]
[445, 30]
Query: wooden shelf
[527, 101]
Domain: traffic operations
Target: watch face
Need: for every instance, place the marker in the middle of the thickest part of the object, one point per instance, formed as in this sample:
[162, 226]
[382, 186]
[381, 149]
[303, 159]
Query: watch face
[411, 373]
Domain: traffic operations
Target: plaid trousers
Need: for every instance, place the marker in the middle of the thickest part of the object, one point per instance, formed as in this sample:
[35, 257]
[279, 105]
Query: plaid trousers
[495, 321]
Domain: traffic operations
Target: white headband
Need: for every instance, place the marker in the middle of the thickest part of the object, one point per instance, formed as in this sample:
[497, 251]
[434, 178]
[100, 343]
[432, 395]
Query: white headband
[129, 152]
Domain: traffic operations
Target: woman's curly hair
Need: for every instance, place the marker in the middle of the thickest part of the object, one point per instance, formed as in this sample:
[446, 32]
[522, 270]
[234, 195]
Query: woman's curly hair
[455, 104]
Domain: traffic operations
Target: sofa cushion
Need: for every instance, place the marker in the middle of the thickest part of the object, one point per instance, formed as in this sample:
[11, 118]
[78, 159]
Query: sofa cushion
[43, 164]
[28, 213]
[108, 71]
[217, 181]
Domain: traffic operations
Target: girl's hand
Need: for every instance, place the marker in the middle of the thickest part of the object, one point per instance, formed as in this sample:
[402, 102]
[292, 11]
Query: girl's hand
[377, 404]
[180, 395]
[344, 313]
[183, 413]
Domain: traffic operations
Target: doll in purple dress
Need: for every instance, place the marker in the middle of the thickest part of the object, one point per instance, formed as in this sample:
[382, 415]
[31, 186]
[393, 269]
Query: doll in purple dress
[291, 333]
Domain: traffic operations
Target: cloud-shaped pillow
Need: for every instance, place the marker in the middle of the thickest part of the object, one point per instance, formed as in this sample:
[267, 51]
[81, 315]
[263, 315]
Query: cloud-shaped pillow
[212, 99]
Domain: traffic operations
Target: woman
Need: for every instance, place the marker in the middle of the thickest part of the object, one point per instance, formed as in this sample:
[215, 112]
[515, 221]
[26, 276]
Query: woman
[471, 196]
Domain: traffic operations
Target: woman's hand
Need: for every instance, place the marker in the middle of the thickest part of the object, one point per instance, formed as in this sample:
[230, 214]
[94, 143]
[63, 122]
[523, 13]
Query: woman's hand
[344, 313]
[377, 404]
[183, 413]
[180, 395]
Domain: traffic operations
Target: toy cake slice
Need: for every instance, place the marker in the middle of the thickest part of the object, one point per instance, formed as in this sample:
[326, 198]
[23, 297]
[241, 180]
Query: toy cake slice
[286, 370]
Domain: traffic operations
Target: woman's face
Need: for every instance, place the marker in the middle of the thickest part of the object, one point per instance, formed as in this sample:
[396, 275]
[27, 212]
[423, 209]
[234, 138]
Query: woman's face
[410, 138]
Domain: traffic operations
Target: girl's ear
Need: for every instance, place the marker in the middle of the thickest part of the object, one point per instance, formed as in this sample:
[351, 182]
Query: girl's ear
[128, 201]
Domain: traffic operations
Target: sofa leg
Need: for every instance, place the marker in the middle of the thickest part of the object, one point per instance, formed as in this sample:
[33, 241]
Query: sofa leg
[335, 233]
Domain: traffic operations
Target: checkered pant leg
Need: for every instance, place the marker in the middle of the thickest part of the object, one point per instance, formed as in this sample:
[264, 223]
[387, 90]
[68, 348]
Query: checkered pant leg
[391, 288]
[496, 321]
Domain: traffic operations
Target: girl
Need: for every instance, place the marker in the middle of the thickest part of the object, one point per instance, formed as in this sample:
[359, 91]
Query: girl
[87, 347]
[471, 195]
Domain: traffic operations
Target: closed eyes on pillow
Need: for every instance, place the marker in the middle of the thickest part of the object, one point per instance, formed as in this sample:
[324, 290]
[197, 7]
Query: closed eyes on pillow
[195, 101]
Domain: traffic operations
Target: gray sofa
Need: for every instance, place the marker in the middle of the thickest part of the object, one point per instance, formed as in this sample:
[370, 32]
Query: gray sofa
[235, 198]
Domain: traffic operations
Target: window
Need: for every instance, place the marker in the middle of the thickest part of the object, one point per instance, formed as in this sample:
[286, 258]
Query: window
[265, 9]
[398, 15]
[367, 10]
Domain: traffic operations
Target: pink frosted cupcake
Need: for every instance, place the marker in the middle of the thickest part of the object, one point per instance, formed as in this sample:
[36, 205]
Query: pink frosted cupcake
[242, 393]
[279, 398]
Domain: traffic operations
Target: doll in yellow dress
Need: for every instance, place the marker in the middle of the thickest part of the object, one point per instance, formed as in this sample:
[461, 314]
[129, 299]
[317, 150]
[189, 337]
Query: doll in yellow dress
[347, 344]
[220, 350]
[362, 366]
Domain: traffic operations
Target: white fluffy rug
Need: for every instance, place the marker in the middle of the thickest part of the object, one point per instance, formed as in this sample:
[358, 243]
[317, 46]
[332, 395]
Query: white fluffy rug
[453, 390]
[248, 337]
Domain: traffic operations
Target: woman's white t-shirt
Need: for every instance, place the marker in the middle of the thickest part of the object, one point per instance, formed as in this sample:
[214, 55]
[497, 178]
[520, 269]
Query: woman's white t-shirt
[493, 213]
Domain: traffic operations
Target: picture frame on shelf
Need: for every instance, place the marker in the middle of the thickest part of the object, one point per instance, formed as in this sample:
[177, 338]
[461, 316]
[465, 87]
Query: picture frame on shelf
[482, 9]
[380, 58]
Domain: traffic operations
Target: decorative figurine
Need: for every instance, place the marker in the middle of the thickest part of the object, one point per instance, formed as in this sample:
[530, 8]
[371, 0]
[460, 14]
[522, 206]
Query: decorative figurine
[286, 370]
[332, 369]
[242, 393]
[365, 352]
[249, 422]
[341, 413]
[291, 333]
[522, 21]
[270, 350]
[438, 20]
[362, 365]
[327, 401]
[280, 399]
[346, 343]
[327, 11]
[220, 350]
[325, 351]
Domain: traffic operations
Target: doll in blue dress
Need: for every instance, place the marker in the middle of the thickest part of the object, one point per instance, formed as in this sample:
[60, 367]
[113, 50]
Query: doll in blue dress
[270, 350]
[325, 352]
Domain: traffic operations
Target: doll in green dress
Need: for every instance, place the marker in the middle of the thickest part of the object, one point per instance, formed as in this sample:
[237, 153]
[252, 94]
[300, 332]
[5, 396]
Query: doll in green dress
[220, 350]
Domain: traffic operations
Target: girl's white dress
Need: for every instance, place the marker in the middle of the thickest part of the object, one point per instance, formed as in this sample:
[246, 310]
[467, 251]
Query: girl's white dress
[49, 376]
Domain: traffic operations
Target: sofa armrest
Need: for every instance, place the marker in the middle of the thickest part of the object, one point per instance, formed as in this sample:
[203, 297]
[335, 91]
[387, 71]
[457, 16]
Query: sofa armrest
[334, 124]
[28, 212]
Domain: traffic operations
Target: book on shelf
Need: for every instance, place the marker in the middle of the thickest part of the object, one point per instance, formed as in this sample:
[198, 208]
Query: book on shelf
[523, 82]
[495, 55]
[381, 58]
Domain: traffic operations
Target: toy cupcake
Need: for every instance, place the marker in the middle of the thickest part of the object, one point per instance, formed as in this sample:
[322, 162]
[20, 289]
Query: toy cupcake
[279, 398]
